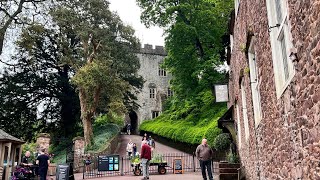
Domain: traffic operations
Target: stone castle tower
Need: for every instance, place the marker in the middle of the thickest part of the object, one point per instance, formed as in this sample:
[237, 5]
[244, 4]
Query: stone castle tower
[155, 88]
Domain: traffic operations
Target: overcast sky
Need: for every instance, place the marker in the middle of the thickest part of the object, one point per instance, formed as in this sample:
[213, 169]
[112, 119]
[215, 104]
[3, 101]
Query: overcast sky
[129, 12]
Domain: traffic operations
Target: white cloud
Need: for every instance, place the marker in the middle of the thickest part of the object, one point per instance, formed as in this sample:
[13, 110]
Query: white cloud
[130, 12]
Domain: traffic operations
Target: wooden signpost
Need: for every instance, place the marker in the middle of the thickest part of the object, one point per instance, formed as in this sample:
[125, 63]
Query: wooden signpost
[177, 166]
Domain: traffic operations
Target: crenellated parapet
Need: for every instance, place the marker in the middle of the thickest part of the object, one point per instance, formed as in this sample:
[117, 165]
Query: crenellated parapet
[158, 50]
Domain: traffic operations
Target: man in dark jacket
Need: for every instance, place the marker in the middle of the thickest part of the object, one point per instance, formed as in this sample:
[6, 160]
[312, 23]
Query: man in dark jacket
[204, 154]
[43, 162]
[145, 159]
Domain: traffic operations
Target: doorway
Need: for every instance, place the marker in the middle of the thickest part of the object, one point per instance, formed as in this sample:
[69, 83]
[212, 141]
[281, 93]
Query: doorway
[134, 122]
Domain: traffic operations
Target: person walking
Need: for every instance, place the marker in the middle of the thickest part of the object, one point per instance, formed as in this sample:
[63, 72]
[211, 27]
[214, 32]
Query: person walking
[145, 159]
[130, 148]
[129, 129]
[43, 163]
[134, 148]
[204, 155]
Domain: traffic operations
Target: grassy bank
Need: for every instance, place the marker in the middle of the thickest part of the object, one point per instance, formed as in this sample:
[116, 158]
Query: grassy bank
[196, 125]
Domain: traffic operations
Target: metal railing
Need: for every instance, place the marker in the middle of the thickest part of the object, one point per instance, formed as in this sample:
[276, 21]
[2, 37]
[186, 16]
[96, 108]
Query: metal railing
[189, 164]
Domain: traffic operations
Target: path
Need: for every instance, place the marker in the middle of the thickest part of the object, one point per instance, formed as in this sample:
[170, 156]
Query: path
[160, 148]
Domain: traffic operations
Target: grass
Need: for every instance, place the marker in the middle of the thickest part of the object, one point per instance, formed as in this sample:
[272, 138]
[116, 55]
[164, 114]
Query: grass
[192, 128]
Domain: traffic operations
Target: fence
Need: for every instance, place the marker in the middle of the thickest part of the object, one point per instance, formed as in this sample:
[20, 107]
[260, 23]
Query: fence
[189, 164]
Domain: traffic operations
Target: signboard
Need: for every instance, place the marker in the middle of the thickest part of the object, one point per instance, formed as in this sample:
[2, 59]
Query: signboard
[177, 166]
[108, 163]
[221, 93]
[62, 172]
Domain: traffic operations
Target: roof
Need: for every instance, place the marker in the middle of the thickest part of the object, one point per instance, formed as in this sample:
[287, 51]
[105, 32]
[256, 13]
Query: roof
[7, 137]
[226, 117]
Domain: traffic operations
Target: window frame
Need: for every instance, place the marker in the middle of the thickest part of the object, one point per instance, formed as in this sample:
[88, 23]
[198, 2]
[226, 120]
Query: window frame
[155, 114]
[152, 93]
[255, 85]
[238, 125]
[245, 110]
[280, 32]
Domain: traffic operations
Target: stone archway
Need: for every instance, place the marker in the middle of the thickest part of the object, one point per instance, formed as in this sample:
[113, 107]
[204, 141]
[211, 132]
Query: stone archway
[134, 122]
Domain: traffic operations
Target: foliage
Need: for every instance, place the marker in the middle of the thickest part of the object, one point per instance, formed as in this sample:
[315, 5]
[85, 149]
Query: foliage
[36, 93]
[110, 118]
[188, 123]
[102, 135]
[32, 147]
[194, 30]
[233, 158]
[222, 142]
[60, 150]
[158, 158]
[18, 13]
[101, 50]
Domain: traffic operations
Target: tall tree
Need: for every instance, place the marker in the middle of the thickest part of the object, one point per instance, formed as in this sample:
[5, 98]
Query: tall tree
[101, 50]
[11, 13]
[194, 31]
[38, 80]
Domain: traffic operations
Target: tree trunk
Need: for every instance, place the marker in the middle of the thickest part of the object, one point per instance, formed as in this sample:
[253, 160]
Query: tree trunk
[86, 118]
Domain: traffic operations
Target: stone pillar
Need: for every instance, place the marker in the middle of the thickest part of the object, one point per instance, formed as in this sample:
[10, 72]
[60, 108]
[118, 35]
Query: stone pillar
[43, 142]
[78, 146]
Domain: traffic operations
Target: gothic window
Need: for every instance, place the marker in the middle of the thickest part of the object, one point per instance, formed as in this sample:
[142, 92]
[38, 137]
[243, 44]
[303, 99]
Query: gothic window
[281, 43]
[155, 114]
[152, 92]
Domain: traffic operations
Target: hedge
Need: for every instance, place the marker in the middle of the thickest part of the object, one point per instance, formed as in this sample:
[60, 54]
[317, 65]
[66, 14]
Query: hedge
[190, 129]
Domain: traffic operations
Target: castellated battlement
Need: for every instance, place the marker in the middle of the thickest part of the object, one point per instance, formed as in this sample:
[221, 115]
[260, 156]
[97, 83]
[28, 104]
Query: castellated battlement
[148, 49]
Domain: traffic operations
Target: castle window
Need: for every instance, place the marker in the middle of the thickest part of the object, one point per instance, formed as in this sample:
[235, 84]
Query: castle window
[281, 44]
[155, 114]
[152, 92]
[170, 92]
[162, 72]
[244, 110]
[256, 102]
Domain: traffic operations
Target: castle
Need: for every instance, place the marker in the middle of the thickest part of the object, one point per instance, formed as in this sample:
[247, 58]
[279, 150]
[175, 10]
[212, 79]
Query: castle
[156, 86]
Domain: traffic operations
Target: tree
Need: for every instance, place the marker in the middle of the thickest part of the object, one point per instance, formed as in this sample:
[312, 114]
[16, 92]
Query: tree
[194, 31]
[100, 48]
[38, 80]
[11, 13]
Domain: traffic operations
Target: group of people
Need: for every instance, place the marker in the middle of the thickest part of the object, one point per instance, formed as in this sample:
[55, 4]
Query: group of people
[27, 170]
[203, 153]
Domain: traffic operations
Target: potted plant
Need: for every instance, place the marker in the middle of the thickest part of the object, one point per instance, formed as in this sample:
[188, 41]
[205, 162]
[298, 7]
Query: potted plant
[229, 168]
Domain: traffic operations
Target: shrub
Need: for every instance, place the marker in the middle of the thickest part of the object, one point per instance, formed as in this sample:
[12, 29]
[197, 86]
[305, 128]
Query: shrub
[232, 158]
[222, 142]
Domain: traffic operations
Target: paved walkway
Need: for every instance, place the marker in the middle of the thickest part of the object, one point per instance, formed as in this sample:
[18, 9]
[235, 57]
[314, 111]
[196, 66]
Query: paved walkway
[186, 176]
[160, 148]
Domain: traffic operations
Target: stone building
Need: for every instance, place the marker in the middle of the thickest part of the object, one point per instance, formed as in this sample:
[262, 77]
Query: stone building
[156, 85]
[274, 87]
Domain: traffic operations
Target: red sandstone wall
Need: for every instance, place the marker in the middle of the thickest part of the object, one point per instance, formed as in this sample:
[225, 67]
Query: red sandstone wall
[286, 143]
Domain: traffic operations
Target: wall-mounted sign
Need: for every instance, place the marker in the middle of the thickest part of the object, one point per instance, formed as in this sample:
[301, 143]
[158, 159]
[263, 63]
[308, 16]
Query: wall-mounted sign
[177, 166]
[108, 163]
[221, 93]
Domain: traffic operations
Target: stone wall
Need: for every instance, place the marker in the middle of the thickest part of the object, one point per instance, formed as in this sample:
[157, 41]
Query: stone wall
[43, 141]
[149, 61]
[80, 154]
[285, 144]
